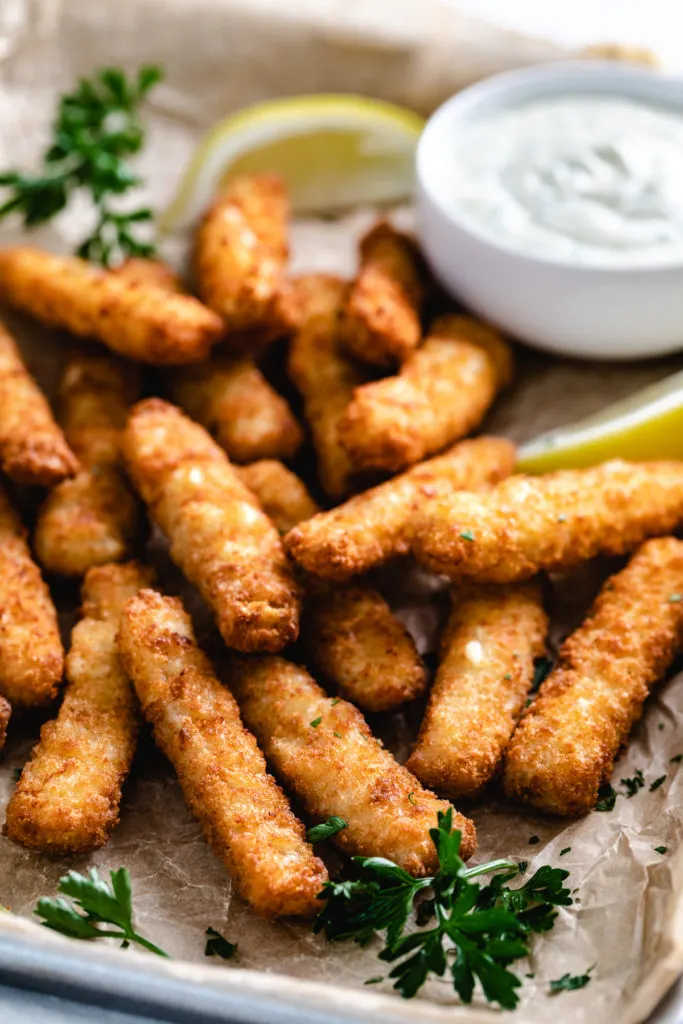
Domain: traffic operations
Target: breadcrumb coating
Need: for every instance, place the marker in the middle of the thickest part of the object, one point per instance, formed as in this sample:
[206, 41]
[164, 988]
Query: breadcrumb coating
[380, 320]
[94, 518]
[485, 671]
[440, 394]
[31, 652]
[323, 751]
[553, 522]
[564, 747]
[371, 528]
[5, 715]
[69, 793]
[243, 812]
[152, 273]
[235, 402]
[33, 450]
[282, 495]
[220, 537]
[136, 320]
[324, 376]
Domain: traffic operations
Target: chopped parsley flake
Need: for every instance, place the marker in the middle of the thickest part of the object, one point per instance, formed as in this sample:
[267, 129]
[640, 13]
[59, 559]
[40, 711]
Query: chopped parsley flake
[675, 598]
[661, 849]
[607, 798]
[467, 535]
[633, 785]
[677, 759]
[566, 850]
[533, 840]
[315, 723]
[411, 798]
[570, 983]
[657, 783]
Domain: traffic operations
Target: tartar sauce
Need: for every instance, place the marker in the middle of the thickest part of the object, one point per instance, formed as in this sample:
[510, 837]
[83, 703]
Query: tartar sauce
[589, 178]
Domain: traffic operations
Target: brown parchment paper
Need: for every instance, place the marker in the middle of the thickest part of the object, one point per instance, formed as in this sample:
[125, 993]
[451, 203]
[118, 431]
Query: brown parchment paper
[628, 916]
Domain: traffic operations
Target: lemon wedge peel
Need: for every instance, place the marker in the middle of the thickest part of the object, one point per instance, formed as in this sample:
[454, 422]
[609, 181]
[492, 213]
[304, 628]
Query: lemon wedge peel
[277, 121]
[643, 426]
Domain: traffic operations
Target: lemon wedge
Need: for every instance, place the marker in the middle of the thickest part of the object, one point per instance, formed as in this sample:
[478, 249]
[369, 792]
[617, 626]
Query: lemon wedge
[646, 425]
[333, 151]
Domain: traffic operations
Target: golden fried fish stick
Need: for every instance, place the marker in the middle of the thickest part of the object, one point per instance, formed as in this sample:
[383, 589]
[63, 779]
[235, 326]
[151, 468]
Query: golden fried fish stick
[149, 273]
[372, 527]
[220, 537]
[5, 715]
[564, 747]
[93, 519]
[323, 751]
[235, 402]
[243, 812]
[380, 321]
[33, 450]
[554, 522]
[142, 322]
[485, 672]
[324, 376]
[282, 495]
[241, 254]
[68, 796]
[31, 652]
[440, 394]
[353, 639]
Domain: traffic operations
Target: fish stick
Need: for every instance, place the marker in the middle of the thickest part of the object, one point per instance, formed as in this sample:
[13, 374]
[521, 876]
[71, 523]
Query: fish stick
[380, 320]
[68, 796]
[282, 495]
[31, 652]
[323, 751]
[324, 376]
[243, 812]
[149, 273]
[220, 537]
[241, 254]
[33, 450]
[5, 715]
[564, 747]
[440, 394]
[144, 323]
[94, 518]
[235, 402]
[554, 522]
[352, 638]
[371, 528]
[485, 671]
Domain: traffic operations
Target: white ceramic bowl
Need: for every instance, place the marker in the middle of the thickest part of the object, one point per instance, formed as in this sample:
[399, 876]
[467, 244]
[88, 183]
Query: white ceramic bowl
[593, 312]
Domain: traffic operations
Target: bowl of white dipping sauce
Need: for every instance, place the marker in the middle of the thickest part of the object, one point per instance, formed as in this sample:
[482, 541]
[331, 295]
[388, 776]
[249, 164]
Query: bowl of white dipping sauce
[550, 201]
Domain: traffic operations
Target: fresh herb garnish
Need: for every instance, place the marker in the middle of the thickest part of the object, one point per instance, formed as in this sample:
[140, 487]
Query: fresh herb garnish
[411, 798]
[675, 598]
[374, 981]
[337, 734]
[507, 676]
[633, 785]
[567, 849]
[522, 866]
[657, 783]
[475, 932]
[607, 798]
[467, 535]
[571, 982]
[661, 849]
[16, 774]
[677, 759]
[542, 668]
[218, 945]
[326, 829]
[96, 128]
[533, 840]
[316, 722]
[94, 902]
[335, 700]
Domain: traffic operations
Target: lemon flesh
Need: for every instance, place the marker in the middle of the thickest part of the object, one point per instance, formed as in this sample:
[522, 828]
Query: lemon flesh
[333, 151]
[647, 425]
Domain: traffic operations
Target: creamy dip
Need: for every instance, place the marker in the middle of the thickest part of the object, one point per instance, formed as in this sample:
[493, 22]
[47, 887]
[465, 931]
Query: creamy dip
[589, 178]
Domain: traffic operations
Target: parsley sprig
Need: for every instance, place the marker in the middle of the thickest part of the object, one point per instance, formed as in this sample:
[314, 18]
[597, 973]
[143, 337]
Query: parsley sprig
[96, 128]
[475, 932]
[93, 903]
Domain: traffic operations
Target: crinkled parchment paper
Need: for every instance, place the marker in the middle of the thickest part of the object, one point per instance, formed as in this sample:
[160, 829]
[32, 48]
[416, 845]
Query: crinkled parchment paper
[627, 916]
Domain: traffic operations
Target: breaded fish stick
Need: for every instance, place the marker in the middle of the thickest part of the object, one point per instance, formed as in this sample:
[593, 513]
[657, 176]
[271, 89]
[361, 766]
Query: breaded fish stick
[372, 527]
[142, 322]
[554, 522]
[244, 814]
[241, 255]
[484, 675]
[564, 748]
[149, 273]
[282, 495]
[31, 652]
[380, 321]
[220, 537]
[323, 751]
[324, 376]
[5, 715]
[235, 402]
[353, 639]
[93, 519]
[67, 800]
[33, 450]
[440, 394]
